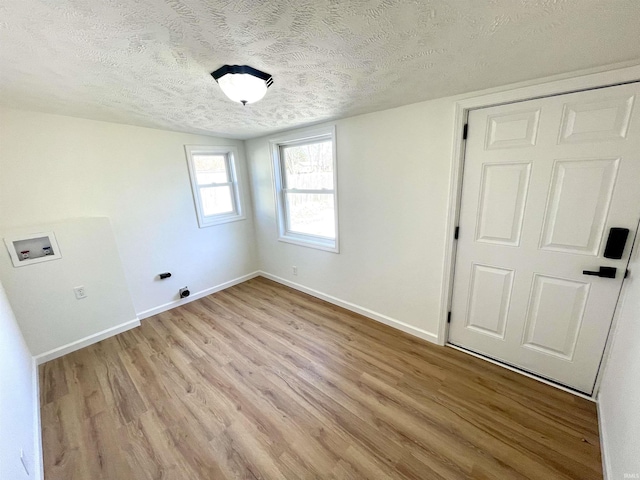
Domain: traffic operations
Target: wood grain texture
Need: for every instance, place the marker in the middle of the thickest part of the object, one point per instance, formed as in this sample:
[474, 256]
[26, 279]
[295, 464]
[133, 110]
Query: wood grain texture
[262, 381]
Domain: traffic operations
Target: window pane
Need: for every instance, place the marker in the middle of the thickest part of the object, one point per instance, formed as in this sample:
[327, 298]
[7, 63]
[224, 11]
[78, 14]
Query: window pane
[216, 200]
[210, 169]
[309, 166]
[311, 214]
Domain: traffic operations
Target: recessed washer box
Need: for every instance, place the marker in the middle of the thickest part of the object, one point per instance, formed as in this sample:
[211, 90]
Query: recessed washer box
[32, 248]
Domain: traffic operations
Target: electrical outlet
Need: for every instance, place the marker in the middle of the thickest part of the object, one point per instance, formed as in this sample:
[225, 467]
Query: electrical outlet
[24, 462]
[80, 292]
[295, 270]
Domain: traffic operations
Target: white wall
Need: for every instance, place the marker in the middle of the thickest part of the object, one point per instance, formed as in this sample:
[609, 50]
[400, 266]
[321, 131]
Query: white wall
[54, 167]
[619, 397]
[19, 427]
[393, 171]
[42, 294]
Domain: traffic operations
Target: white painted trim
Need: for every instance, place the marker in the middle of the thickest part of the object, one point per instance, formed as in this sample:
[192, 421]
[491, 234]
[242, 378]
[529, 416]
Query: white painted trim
[554, 85]
[455, 193]
[96, 337]
[379, 317]
[306, 135]
[38, 464]
[606, 472]
[195, 296]
[602, 426]
[86, 341]
[550, 86]
[635, 250]
[311, 243]
[522, 372]
[237, 194]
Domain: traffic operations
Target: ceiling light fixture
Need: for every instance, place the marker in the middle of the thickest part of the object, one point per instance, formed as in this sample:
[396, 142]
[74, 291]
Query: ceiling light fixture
[242, 83]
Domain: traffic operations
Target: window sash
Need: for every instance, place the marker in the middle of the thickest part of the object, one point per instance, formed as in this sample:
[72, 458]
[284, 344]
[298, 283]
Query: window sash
[227, 171]
[234, 207]
[215, 184]
[285, 205]
[278, 147]
[232, 184]
[287, 213]
[309, 191]
[300, 143]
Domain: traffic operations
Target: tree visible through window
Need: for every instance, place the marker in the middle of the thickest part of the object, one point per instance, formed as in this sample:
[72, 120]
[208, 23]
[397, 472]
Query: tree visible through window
[306, 190]
[309, 188]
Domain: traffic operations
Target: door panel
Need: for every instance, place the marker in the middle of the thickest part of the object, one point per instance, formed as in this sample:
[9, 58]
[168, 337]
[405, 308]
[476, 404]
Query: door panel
[487, 312]
[579, 200]
[595, 121]
[554, 315]
[544, 181]
[503, 193]
[517, 129]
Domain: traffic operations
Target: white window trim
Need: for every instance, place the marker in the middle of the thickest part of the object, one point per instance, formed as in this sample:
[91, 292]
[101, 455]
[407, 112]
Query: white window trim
[236, 185]
[295, 138]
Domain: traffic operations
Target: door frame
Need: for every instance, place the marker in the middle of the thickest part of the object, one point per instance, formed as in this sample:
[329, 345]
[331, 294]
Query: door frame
[552, 86]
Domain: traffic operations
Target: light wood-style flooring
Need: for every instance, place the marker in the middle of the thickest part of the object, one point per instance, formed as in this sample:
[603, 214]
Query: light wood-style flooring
[263, 382]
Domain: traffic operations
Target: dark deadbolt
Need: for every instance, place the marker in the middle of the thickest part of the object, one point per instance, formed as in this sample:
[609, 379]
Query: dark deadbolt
[605, 272]
[616, 242]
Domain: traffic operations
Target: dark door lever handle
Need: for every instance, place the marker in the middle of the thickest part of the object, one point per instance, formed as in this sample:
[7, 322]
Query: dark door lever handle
[605, 272]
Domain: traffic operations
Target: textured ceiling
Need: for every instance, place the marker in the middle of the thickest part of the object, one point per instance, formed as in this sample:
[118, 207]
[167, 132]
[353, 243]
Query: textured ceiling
[147, 62]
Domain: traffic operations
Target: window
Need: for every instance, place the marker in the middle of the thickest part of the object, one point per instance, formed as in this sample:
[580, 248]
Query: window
[214, 182]
[305, 181]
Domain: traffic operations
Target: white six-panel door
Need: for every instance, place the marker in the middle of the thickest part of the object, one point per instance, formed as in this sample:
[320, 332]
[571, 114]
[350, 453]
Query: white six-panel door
[544, 181]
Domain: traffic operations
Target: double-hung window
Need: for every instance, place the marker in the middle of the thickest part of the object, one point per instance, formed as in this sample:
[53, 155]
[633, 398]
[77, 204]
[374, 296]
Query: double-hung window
[305, 183]
[214, 181]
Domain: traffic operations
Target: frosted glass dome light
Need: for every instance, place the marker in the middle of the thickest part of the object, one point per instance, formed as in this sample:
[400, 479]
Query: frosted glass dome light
[242, 83]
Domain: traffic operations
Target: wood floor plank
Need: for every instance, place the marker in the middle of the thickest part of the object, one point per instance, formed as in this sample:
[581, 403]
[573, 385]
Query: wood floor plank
[53, 381]
[262, 381]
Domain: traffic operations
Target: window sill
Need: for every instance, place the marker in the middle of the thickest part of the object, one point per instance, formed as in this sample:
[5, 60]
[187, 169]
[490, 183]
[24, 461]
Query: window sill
[319, 244]
[202, 223]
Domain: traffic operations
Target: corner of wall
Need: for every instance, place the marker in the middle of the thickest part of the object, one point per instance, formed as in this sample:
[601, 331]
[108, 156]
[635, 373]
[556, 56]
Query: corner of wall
[38, 464]
[604, 452]
[256, 246]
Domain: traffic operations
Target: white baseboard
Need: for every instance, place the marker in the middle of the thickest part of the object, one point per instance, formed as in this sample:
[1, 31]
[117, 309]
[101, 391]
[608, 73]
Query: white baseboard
[603, 444]
[379, 317]
[38, 464]
[96, 337]
[86, 341]
[195, 296]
